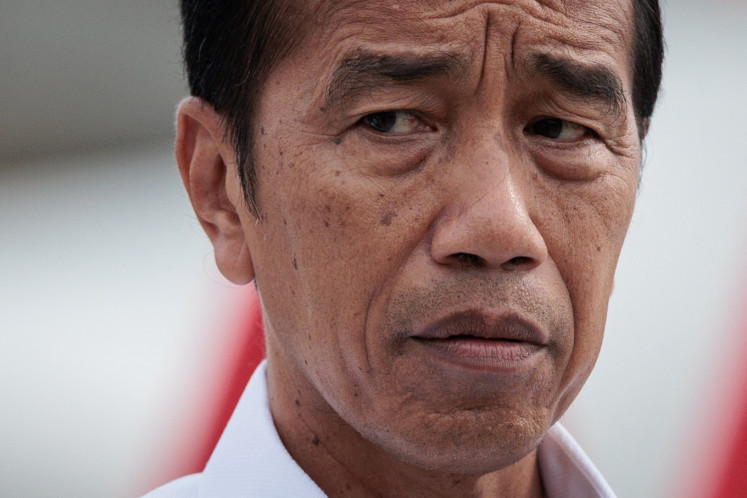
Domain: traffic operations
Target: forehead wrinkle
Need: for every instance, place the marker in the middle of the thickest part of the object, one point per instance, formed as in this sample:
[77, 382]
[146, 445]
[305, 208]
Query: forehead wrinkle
[600, 28]
[542, 9]
[429, 9]
[612, 20]
[609, 20]
[574, 25]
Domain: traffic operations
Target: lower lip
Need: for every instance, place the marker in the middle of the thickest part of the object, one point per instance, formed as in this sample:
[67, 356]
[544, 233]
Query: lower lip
[493, 354]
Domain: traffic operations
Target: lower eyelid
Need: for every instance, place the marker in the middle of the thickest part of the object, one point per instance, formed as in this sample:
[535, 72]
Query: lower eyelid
[416, 139]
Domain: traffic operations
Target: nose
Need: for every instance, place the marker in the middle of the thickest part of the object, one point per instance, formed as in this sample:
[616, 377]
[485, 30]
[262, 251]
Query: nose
[488, 224]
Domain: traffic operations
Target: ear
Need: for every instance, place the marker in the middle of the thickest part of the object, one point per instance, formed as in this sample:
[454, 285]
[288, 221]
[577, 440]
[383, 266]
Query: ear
[207, 166]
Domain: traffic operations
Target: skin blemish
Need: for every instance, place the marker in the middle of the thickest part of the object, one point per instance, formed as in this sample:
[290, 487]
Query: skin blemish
[315, 441]
[337, 172]
[338, 141]
[262, 130]
[297, 403]
[295, 264]
[386, 220]
[326, 223]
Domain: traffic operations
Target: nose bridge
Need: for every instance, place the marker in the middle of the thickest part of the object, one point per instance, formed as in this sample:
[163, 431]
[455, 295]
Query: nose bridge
[490, 176]
[495, 197]
[489, 214]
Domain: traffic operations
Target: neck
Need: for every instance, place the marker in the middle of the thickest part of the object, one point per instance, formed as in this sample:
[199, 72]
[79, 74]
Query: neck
[343, 463]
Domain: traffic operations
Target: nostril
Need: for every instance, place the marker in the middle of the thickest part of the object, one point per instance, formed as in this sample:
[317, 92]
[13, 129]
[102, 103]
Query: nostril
[519, 261]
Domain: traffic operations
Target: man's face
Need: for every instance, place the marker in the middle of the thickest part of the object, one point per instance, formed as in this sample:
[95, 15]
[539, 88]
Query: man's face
[444, 189]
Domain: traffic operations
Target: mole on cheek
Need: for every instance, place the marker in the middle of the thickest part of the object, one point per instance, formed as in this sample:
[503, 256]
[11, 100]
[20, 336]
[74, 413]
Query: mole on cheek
[386, 220]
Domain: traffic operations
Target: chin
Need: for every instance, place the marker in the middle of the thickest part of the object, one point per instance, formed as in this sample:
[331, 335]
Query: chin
[467, 448]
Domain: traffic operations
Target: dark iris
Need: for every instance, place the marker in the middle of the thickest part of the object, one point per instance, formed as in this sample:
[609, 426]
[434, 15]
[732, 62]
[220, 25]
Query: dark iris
[381, 121]
[550, 128]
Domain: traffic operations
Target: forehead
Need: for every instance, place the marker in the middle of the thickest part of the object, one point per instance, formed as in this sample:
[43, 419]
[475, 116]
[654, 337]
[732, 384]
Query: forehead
[590, 28]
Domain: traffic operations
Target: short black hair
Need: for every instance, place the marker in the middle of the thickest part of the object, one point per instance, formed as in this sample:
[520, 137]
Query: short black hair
[231, 46]
[648, 57]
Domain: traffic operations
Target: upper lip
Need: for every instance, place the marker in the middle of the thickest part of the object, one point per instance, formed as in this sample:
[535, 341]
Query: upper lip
[506, 326]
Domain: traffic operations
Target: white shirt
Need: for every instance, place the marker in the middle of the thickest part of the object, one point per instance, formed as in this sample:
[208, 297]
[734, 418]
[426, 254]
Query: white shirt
[251, 461]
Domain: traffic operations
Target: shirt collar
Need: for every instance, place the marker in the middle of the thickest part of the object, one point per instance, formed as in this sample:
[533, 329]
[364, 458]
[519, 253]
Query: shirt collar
[250, 459]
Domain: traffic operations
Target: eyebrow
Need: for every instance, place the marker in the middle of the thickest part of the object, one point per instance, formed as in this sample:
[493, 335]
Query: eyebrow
[593, 81]
[364, 71]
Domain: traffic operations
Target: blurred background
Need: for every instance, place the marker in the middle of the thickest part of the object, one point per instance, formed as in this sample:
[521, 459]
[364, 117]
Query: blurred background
[115, 325]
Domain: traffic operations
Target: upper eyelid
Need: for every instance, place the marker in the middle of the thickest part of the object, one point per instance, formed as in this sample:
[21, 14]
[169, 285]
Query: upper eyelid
[560, 106]
[420, 103]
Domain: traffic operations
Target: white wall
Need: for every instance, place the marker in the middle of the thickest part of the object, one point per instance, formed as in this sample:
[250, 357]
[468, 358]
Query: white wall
[78, 74]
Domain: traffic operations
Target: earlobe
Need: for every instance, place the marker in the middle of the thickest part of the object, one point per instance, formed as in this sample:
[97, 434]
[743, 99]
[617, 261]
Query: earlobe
[206, 164]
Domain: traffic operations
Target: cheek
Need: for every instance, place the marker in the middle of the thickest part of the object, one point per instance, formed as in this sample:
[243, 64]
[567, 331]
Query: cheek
[334, 242]
[585, 231]
[584, 235]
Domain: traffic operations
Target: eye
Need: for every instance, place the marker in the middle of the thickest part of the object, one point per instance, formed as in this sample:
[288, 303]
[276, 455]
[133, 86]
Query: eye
[394, 122]
[559, 129]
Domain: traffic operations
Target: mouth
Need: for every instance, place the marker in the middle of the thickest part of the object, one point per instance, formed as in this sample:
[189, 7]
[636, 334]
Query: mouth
[507, 343]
